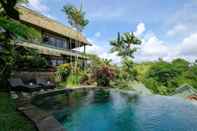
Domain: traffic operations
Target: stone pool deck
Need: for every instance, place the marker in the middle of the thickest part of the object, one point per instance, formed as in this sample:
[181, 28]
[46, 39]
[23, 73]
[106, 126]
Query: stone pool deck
[42, 120]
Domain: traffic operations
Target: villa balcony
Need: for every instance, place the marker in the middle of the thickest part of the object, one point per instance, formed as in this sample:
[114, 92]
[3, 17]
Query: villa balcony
[51, 50]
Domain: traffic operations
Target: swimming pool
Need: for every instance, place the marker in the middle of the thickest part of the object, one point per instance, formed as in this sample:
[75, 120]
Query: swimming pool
[110, 110]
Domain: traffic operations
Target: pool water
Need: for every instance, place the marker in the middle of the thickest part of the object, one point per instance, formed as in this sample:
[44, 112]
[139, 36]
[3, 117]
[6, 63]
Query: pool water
[108, 110]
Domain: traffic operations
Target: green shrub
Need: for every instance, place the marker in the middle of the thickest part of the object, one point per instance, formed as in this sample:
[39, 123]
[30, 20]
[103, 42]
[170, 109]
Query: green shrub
[87, 78]
[163, 73]
[128, 71]
[63, 71]
[73, 80]
[122, 84]
[30, 59]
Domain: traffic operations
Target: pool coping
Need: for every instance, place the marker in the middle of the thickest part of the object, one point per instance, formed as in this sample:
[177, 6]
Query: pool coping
[42, 120]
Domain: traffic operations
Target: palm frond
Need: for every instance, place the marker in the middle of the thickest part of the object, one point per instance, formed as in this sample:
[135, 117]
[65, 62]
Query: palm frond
[76, 17]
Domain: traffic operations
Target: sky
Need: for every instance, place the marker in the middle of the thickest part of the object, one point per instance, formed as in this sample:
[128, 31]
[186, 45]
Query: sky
[167, 28]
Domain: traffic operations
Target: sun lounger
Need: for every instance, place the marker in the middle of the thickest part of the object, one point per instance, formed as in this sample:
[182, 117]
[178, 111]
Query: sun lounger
[18, 85]
[46, 84]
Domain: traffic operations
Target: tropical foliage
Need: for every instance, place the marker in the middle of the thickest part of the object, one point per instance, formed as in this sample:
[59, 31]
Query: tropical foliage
[29, 59]
[18, 30]
[104, 75]
[124, 45]
[63, 71]
[76, 17]
[10, 30]
[128, 70]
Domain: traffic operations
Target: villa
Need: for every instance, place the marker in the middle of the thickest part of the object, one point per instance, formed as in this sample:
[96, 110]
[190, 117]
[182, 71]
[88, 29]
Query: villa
[140, 75]
[58, 42]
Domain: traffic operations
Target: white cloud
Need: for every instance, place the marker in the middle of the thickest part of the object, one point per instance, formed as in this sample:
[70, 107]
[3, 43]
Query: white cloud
[152, 49]
[189, 46]
[140, 29]
[37, 5]
[177, 30]
[101, 49]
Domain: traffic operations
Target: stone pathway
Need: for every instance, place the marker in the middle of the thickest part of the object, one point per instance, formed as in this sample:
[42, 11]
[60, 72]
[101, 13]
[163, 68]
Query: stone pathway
[42, 120]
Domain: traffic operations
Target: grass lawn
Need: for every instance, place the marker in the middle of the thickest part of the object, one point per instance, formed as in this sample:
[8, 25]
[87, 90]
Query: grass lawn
[10, 119]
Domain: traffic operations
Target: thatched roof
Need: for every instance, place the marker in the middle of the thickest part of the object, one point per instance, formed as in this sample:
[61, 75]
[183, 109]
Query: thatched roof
[36, 19]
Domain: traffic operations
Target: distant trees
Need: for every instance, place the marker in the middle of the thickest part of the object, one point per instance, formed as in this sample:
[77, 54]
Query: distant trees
[181, 64]
[164, 74]
[164, 77]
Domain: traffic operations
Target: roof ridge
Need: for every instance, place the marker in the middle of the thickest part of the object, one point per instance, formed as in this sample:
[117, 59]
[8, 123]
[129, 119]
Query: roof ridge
[61, 28]
[44, 16]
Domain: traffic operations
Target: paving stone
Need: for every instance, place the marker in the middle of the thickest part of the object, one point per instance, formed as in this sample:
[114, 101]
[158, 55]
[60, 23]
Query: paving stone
[50, 124]
[35, 115]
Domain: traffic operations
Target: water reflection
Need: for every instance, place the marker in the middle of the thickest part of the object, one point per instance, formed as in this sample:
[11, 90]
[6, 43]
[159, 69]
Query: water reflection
[109, 110]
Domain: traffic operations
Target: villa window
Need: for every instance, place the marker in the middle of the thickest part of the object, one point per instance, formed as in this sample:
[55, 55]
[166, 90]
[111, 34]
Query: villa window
[60, 62]
[45, 39]
[54, 41]
[56, 61]
[59, 43]
[66, 44]
[53, 62]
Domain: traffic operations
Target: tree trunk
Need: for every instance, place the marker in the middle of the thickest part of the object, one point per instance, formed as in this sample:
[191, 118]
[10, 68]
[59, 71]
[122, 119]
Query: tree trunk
[7, 62]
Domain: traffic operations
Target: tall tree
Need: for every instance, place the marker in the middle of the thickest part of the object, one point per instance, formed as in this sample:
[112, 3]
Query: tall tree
[10, 29]
[124, 47]
[76, 18]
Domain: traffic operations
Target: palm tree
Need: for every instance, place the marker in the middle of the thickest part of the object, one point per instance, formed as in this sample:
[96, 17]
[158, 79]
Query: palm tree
[123, 44]
[76, 18]
[11, 29]
[123, 47]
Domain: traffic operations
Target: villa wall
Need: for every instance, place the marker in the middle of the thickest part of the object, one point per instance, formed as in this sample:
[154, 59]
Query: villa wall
[25, 75]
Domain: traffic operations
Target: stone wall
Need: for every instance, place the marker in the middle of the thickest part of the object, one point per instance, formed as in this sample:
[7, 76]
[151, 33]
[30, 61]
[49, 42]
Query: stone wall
[26, 76]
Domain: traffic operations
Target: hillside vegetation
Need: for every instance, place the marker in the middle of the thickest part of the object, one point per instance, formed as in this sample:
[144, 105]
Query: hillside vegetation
[164, 77]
